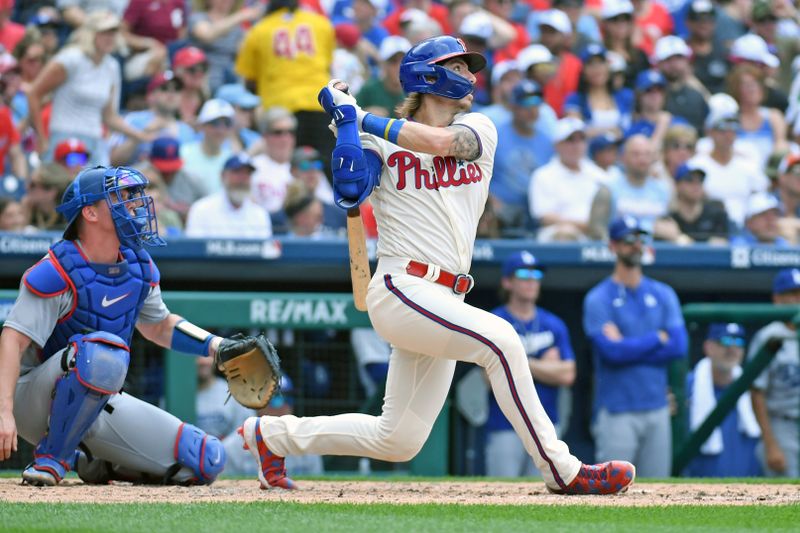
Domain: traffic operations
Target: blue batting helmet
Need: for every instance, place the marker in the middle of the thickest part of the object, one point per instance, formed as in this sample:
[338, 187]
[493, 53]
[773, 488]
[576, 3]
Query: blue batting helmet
[421, 70]
[133, 212]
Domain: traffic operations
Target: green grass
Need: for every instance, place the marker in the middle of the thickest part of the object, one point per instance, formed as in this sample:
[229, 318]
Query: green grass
[280, 516]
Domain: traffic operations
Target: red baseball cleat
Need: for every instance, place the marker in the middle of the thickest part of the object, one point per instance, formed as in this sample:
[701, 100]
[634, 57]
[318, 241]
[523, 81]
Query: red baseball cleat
[613, 477]
[271, 469]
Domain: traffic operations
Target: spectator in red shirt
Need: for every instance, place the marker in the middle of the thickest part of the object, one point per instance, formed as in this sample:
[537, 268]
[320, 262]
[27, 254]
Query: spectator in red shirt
[437, 12]
[503, 9]
[10, 32]
[653, 21]
[148, 27]
[190, 65]
[556, 29]
[9, 136]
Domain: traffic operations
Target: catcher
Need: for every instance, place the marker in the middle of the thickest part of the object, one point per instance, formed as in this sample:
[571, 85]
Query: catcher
[64, 350]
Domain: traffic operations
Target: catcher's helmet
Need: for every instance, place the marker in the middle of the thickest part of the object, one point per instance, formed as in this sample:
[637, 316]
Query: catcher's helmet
[133, 212]
[421, 70]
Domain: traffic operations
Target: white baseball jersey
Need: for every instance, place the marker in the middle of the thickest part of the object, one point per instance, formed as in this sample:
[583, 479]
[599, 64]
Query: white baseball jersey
[418, 192]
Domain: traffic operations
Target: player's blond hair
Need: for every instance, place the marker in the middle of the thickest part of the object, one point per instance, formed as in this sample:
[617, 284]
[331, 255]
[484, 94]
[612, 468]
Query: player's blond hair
[409, 106]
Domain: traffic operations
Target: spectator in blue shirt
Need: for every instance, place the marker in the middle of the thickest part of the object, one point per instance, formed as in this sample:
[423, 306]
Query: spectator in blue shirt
[637, 193]
[649, 118]
[635, 326]
[550, 357]
[522, 148]
[761, 222]
[730, 449]
[595, 102]
[159, 119]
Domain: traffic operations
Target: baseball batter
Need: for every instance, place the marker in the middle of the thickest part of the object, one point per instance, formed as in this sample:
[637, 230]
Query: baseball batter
[428, 177]
[64, 349]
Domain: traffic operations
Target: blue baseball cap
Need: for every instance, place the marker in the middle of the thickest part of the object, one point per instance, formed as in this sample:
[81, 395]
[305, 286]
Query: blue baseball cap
[526, 93]
[603, 141]
[623, 226]
[523, 260]
[786, 280]
[730, 334]
[239, 161]
[593, 50]
[165, 154]
[236, 94]
[648, 79]
[686, 170]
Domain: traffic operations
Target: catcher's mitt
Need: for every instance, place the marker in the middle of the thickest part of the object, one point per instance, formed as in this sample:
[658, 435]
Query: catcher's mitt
[252, 367]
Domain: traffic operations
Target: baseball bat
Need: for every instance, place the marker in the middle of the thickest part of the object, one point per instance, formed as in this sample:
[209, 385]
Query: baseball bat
[359, 260]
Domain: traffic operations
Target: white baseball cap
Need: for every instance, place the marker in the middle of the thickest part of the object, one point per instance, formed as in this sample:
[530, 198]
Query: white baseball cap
[760, 202]
[555, 19]
[566, 127]
[533, 55]
[393, 45]
[380, 6]
[477, 24]
[502, 68]
[752, 47]
[615, 8]
[670, 46]
[722, 108]
[214, 109]
[414, 16]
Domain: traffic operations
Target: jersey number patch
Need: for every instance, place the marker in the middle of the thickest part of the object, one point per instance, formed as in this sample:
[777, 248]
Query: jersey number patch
[288, 46]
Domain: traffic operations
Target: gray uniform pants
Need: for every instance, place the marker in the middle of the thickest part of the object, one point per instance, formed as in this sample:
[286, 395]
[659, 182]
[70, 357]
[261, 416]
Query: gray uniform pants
[787, 433]
[135, 435]
[643, 438]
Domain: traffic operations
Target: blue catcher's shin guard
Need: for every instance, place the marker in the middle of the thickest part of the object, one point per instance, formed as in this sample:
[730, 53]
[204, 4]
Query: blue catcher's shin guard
[201, 452]
[96, 367]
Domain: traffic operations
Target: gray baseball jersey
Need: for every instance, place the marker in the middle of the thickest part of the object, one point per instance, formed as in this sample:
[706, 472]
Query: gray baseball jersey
[36, 317]
[780, 381]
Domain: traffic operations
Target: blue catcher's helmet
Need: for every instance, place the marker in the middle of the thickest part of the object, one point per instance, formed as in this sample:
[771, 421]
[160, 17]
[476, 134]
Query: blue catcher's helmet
[123, 189]
[422, 72]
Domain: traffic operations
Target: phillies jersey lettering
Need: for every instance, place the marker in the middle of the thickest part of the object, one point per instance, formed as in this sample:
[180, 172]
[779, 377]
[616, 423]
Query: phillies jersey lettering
[447, 172]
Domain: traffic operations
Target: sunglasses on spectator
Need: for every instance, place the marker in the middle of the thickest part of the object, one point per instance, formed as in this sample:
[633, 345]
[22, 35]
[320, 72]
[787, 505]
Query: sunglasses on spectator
[528, 273]
[309, 165]
[169, 88]
[221, 122]
[574, 138]
[693, 178]
[76, 159]
[620, 18]
[33, 59]
[731, 341]
[768, 19]
[680, 146]
[794, 170]
[280, 132]
[195, 69]
[39, 185]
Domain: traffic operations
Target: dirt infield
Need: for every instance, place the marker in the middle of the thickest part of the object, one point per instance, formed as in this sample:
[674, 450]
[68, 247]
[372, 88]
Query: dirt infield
[403, 492]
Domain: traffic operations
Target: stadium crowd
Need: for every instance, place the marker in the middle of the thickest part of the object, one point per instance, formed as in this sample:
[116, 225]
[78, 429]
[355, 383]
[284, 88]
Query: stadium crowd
[681, 113]
[684, 114]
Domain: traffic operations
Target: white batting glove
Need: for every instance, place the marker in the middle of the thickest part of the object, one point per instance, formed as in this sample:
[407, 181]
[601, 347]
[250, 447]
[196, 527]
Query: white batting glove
[341, 93]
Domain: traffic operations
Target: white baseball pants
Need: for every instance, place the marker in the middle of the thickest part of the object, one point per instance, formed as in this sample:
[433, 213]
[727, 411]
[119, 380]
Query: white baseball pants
[430, 328]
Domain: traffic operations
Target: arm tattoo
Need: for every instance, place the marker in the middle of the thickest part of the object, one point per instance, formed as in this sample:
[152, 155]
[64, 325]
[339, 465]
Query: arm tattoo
[465, 143]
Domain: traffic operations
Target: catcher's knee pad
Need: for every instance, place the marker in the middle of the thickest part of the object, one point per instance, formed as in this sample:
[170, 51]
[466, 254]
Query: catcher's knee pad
[204, 454]
[96, 365]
